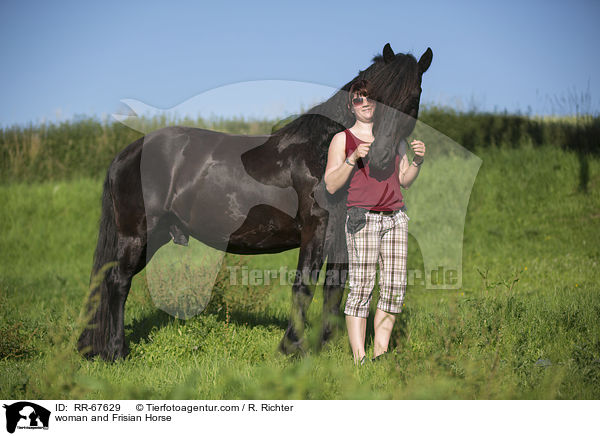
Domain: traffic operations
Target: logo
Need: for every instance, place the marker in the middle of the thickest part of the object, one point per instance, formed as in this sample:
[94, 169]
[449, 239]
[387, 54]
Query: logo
[26, 415]
[182, 275]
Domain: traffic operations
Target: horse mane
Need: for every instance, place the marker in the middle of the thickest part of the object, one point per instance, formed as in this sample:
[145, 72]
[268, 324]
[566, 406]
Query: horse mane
[316, 127]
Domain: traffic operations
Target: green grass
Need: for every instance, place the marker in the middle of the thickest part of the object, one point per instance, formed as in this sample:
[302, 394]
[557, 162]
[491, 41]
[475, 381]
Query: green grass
[524, 324]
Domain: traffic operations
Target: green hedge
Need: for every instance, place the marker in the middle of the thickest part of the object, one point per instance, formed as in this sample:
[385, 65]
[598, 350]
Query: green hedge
[86, 146]
[476, 129]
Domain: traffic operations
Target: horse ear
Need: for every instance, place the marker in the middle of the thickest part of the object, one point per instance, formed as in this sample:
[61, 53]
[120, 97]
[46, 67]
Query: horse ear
[425, 60]
[388, 53]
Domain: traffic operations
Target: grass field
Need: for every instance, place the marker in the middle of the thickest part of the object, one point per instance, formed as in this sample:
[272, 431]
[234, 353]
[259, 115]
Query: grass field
[525, 324]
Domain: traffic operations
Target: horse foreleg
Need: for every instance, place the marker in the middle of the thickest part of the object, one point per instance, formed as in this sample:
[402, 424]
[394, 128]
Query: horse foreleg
[333, 290]
[310, 262]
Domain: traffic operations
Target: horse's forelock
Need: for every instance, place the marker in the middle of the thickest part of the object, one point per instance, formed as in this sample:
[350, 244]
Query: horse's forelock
[393, 83]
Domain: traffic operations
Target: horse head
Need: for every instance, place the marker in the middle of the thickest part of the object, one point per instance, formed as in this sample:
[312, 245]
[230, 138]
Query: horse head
[396, 86]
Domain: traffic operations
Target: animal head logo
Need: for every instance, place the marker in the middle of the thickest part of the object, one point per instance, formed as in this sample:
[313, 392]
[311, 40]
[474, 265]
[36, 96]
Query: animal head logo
[26, 415]
[437, 204]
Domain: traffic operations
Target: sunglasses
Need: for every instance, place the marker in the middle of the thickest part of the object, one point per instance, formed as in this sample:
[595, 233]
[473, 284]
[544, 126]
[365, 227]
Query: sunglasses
[359, 101]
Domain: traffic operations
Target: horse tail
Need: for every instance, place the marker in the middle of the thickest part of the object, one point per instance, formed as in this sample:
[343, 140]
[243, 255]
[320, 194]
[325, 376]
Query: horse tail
[97, 329]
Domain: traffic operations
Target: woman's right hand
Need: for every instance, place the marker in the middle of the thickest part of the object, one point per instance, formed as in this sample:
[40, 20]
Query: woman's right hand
[361, 151]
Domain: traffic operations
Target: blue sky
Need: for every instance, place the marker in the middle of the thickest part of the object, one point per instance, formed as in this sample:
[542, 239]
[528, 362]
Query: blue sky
[63, 59]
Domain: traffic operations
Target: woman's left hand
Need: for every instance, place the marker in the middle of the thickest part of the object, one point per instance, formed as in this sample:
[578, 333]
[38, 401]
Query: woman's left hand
[419, 149]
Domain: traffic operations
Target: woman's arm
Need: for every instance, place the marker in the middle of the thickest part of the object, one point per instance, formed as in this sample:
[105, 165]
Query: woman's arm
[337, 170]
[409, 172]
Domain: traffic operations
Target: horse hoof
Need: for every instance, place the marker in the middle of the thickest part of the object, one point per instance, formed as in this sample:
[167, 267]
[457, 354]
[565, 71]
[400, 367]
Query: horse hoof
[113, 357]
[292, 348]
[87, 353]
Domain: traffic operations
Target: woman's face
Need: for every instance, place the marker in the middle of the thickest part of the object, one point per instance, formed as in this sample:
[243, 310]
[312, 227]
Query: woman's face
[362, 107]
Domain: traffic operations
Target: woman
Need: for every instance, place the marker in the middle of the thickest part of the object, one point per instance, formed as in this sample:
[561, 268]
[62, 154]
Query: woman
[376, 225]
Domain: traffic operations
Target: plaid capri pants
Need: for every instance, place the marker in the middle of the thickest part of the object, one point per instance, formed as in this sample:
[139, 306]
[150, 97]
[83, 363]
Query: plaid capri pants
[383, 240]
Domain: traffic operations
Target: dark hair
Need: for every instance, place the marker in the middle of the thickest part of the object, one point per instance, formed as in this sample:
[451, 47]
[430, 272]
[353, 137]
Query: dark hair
[361, 87]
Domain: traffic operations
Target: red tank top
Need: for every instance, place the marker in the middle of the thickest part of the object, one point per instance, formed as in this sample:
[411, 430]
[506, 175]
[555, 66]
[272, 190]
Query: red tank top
[367, 192]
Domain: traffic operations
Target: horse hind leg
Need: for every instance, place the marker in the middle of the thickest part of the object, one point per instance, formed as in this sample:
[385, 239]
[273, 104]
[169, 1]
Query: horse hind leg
[105, 333]
[132, 259]
[116, 260]
[134, 254]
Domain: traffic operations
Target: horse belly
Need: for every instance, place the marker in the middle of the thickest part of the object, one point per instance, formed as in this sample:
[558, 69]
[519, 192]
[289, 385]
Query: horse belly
[230, 211]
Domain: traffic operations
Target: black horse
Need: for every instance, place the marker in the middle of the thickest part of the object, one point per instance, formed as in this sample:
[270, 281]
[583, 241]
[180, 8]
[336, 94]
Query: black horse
[178, 182]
